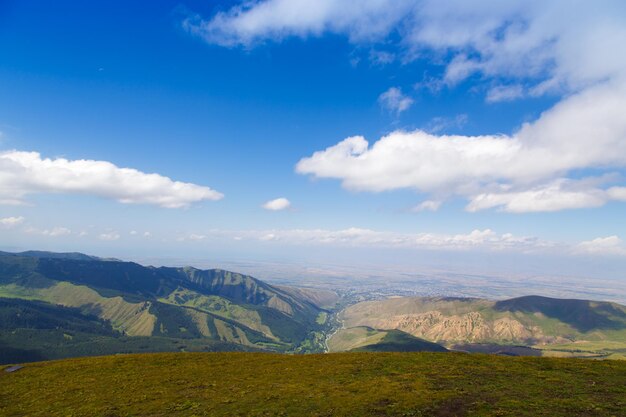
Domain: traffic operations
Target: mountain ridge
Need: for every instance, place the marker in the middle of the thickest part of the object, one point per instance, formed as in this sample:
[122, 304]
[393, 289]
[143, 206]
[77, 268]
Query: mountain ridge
[551, 324]
[181, 303]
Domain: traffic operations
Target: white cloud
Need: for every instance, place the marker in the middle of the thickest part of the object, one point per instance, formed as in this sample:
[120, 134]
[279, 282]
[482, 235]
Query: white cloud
[57, 231]
[110, 236]
[610, 245]
[54, 232]
[394, 101]
[485, 240]
[10, 222]
[558, 195]
[277, 204]
[504, 93]
[617, 193]
[269, 237]
[193, 237]
[358, 237]
[23, 173]
[431, 84]
[564, 47]
[133, 232]
[571, 43]
[147, 234]
[428, 205]
[586, 130]
[439, 124]
[381, 58]
[254, 22]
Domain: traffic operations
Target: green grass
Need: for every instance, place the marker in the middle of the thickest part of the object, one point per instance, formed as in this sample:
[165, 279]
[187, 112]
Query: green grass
[346, 384]
[218, 306]
[399, 341]
[366, 339]
[354, 337]
[23, 345]
[321, 318]
[600, 350]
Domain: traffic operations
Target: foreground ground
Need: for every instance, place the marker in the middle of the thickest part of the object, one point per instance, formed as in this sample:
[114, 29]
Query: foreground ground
[348, 384]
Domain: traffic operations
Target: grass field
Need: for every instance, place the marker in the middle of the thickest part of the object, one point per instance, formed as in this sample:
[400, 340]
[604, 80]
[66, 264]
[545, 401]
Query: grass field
[343, 384]
[600, 350]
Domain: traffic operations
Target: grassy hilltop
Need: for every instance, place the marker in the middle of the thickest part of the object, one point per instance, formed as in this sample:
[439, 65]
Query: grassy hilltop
[342, 384]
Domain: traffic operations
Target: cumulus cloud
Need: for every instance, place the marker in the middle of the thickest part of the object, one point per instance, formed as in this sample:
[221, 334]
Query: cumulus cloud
[394, 101]
[10, 222]
[268, 237]
[558, 195]
[358, 237]
[381, 58]
[561, 41]
[24, 173]
[53, 232]
[190, 237]
[254, 22]
[610, 245]
[504, 93]
[110, 236]
[428, 205]
[277, 204]
[438, 124]
[521, 47]
[486, 240]
[617, 193]
[586, 130]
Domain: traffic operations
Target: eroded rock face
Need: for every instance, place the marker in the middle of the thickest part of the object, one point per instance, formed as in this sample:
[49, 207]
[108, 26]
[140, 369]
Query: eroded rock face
[469, 327]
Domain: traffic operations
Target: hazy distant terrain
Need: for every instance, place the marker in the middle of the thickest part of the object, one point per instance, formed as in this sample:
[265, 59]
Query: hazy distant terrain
[55, 305]
[382, 280]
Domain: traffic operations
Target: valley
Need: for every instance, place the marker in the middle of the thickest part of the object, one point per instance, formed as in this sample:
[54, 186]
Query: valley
[156, 309]
[538, 326]
[181, 309]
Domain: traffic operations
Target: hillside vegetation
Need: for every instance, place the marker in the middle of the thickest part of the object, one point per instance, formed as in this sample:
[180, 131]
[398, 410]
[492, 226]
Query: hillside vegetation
[202, 307]
[555, 326]
[342, 384]
[366, 339]
[34, 331]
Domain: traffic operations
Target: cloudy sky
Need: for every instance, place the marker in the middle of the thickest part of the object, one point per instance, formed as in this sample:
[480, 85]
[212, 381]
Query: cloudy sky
[279, 128]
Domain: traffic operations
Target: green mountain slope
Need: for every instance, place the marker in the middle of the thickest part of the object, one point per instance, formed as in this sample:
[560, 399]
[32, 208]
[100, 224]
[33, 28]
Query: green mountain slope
[179, 303]
[341, 384]
[553, 325]
[366, 339]
[35, 330]
[23, 314]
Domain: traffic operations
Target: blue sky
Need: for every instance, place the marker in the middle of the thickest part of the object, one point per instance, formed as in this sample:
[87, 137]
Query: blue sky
[253, 104]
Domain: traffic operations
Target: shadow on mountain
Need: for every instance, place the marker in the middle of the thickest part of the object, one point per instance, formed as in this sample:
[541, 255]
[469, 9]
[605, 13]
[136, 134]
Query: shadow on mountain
[583, 315]
[399, 341]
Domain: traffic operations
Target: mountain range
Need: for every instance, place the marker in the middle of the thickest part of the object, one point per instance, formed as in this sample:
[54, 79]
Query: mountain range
[551, 326]
[56, 305]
